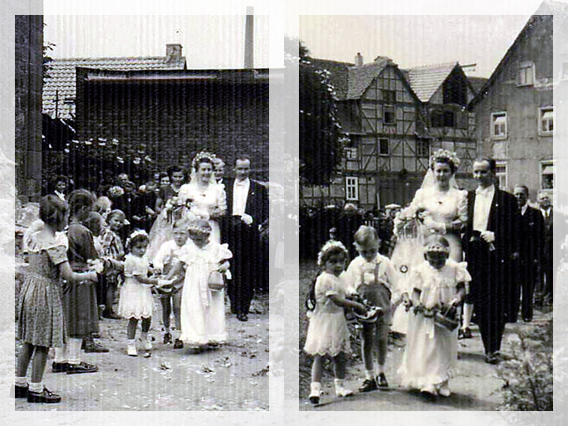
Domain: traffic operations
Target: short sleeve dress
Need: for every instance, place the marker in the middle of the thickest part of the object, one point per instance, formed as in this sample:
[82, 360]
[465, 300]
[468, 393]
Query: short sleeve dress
[135, 297]
[431, 350]
[41, 320]
[327, 332]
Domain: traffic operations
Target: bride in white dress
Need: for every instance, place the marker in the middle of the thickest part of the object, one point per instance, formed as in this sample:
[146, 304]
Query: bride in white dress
[207, 197]
[438, 207]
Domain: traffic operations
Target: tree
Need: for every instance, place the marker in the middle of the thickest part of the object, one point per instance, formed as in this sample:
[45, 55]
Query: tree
[321, 141]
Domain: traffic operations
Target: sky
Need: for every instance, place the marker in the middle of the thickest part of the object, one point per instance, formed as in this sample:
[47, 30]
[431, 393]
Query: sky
[207, 41]
[413, 40]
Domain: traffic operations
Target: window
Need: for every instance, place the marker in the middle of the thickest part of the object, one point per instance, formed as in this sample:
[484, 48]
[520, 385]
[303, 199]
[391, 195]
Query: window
[389, 96]
[352, 188]
[351, 153]
[449, 119]
[499, 125]
[526, 74]
[547, 172]
[501, 173]
[389, 115]
[546, 121]
[437, 118]
[422, 148]
[383, 146]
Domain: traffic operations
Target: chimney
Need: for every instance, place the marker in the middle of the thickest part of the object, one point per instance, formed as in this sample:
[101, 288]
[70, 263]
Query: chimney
[358, 59]
[249, 38]
[173, 52]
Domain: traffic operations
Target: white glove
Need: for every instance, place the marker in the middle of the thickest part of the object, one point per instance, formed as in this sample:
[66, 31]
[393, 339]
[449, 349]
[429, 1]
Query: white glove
[488, 236]
[247, 219]
[96, 265]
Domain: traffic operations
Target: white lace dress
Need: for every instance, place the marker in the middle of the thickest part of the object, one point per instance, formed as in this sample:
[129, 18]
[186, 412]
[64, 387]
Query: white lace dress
[135, 297]
[431, 350]
[202, 310]
[327, 332]
[443, 207]
[204, 201]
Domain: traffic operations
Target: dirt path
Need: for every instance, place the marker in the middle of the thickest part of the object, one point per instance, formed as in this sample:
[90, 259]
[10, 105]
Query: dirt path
[233, 377]
[475, 386]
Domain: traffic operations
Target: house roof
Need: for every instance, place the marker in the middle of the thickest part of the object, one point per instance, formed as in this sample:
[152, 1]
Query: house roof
[339, 74]
[556, 9]
[61, 81]
[477, 83]
[361, 77]
[426, 80]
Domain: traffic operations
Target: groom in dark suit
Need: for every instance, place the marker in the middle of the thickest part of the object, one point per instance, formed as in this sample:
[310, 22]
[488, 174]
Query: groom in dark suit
[491, 245]
[247, 212]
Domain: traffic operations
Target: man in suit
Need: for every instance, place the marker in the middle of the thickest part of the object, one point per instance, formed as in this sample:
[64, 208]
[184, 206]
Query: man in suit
[544, 295]
[531, 225]
[491, 247]
[247, 213]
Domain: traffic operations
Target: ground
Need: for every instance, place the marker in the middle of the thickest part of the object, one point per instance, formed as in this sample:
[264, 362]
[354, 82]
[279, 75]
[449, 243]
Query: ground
[233, 377]
[475, 386]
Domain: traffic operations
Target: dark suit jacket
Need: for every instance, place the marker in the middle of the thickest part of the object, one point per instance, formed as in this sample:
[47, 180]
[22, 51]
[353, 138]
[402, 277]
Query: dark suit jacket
[257, 201]
[532, 237]
[493, 279]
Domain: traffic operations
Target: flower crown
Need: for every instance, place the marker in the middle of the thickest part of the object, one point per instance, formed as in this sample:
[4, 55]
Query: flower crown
[135, 234]
[447, 155]
[437, 248]
[331, 244]
[200, 156]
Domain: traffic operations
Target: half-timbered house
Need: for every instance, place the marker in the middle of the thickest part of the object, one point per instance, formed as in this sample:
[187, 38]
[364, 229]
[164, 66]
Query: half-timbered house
[393, 119]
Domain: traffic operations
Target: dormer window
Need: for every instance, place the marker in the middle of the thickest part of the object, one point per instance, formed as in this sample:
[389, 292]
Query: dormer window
[526, 74]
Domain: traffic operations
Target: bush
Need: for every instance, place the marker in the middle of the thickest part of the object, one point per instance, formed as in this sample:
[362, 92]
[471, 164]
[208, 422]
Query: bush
[528, 375]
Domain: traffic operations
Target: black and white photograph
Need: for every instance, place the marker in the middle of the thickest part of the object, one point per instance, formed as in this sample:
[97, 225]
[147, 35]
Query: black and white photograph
[141, 168]
[426, 205]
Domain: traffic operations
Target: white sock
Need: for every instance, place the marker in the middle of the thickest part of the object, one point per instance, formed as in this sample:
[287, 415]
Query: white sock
[467, 313]
[61, 354]
[369, 375]
[338, 382]
[176, 334]
[132, 342]
[380, 369]
[167, 330]
[21, 381]
[144, 336]
[36, 387]
[74, 350]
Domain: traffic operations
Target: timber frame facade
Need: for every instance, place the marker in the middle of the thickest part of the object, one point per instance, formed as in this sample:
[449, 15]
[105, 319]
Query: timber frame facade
[394, 119]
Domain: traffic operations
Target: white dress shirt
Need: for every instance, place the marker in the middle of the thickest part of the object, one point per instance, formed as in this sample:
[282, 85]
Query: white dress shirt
[524, 209]
[483, 200]
[240, 194]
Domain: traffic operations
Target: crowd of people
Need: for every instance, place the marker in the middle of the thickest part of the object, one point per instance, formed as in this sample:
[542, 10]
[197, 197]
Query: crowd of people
[454, 255]
[181, 239]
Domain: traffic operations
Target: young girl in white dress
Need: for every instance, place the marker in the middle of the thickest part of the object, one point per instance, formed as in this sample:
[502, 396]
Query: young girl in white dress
[136, 302]
[431, 349]
[202, 309]
[327, 332]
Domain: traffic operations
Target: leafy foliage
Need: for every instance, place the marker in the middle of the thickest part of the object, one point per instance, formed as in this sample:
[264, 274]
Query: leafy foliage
[528, 375]
[321, 142]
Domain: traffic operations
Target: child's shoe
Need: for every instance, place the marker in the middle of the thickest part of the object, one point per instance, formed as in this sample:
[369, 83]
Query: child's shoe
[340, 390]
[368, 385]
[131, 349]
[444, 390]
[45, 396]
[382, 381]
[429, 390]
[167, 338]
[21, 391]
[315, 393]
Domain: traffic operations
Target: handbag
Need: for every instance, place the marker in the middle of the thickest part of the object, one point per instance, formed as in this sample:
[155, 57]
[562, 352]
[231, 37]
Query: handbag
[446, 318]
[216, 281]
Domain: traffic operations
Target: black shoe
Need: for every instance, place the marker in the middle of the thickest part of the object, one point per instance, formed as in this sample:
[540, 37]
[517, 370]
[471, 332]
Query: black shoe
[527, 319]
[94, 347]
[382, 381]
[45, 397]
[59, 367]
[242, 317]
[168, 338]
[465, 333]
[368, 385]
[21, 391]
[492, 358]
[81, 368]
[178, 344]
